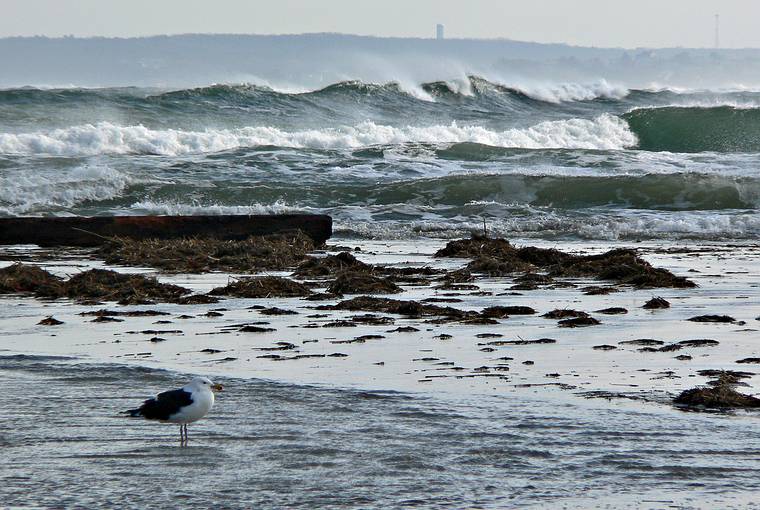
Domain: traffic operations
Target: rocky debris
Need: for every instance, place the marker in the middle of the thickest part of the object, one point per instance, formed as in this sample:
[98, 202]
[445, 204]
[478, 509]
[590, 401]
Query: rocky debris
[664, 348]
[123, 288]
[123, 313]
[201, 255]
[403, 329]
[372, 320]
[23, 278]
[615, 310]
[492, 266]
[712, 318]
[155, 332]
[683, 357]
[749, 360]
[599, 291]
[255, 329]
[354, 282]
[734, 376]
[720, 394]
[106, 318]
[473, 321]
[497, 257]
[656, 303]
[704, 342]
[458, 276]
[263, 287]
[94, 284]
[524, 286]
[50, 321]
[604, 347]
[339, 324]
[534, 278]
[277, 311]
[642, 341]
[322, 296]
[476, 246]
[359, 339]
[578, 322]
[314, 267]
[281, 346]
[197, 299]
[395, 306]
[564, 314]
[521, 342]
[503, 312]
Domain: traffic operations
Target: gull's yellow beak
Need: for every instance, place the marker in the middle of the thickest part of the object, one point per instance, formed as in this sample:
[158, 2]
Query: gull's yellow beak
[217, 387]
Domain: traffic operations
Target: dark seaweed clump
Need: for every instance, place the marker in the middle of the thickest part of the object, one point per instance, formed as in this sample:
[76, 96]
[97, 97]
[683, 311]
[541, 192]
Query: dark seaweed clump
[314, 267]
[262, 287]
[719, 394]
[200, 255]
[95, 284]
[22, 278]
[355, 282]
[497, 257]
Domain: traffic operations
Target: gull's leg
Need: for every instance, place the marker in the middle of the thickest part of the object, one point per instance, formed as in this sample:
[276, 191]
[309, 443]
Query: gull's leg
[186, 433]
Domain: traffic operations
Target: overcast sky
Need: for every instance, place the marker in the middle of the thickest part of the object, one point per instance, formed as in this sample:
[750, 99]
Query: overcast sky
[654, 23]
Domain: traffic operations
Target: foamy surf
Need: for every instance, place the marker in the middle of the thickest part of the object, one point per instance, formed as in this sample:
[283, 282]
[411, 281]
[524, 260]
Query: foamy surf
[603, 132]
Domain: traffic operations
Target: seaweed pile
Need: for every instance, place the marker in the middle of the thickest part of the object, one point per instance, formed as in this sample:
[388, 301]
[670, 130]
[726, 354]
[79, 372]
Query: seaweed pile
[497, 257]
[94, 284]
[201, 255]
[719, 393]
[262, 287]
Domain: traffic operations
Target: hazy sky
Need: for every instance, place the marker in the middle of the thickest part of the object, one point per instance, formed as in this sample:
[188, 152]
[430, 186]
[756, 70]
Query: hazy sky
[582, 22]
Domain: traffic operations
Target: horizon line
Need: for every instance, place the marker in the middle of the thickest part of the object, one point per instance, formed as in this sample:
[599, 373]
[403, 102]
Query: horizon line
[365, 36]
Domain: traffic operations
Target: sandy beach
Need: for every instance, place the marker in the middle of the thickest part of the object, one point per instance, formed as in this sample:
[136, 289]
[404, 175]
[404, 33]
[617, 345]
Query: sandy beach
[448, 357]
[393, 417]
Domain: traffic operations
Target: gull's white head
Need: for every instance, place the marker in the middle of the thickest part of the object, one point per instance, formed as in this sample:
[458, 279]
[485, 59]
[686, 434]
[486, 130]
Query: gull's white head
[204, 383]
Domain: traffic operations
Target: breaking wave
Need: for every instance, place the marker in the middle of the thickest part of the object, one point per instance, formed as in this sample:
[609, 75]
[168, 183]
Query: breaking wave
[695, 129]
[603, 132]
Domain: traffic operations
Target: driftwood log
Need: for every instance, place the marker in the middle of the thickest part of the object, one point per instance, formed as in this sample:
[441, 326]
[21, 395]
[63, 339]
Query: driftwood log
[92, 231]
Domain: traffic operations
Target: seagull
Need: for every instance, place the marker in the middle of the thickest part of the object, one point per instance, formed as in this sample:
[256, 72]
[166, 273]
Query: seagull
[185, 405]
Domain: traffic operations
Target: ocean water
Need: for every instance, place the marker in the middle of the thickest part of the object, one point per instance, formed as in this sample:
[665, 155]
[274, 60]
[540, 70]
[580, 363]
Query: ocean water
[575, 161]
[278, 445]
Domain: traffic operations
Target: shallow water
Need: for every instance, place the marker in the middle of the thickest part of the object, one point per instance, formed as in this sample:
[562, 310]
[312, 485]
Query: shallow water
[274, 445]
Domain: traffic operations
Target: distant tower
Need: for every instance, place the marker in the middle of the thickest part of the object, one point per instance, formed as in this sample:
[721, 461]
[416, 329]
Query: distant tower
[439, 32]
[717, 31]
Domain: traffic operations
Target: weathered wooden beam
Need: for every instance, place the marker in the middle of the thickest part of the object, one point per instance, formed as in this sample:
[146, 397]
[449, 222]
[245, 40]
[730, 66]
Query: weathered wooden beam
[91, 231]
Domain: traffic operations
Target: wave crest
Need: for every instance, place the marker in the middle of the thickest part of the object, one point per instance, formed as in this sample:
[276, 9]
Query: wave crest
[604, 132]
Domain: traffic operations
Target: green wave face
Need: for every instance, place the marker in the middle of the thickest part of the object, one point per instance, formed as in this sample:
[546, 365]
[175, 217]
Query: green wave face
[692, 129]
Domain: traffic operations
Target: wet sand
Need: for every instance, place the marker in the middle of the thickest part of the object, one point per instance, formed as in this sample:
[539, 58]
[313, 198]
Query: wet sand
[333, 348]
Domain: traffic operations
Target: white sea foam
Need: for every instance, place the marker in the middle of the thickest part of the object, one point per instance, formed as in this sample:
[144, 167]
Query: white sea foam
[564, 92]
[197, 208]
[682, 226]
[29, 192]
[604, 132]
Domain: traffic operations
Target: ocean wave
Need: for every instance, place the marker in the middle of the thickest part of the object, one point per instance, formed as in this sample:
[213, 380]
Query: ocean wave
[596, 226]
[603, 132]
[177, 208]
[695, 129]
[33, 192]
